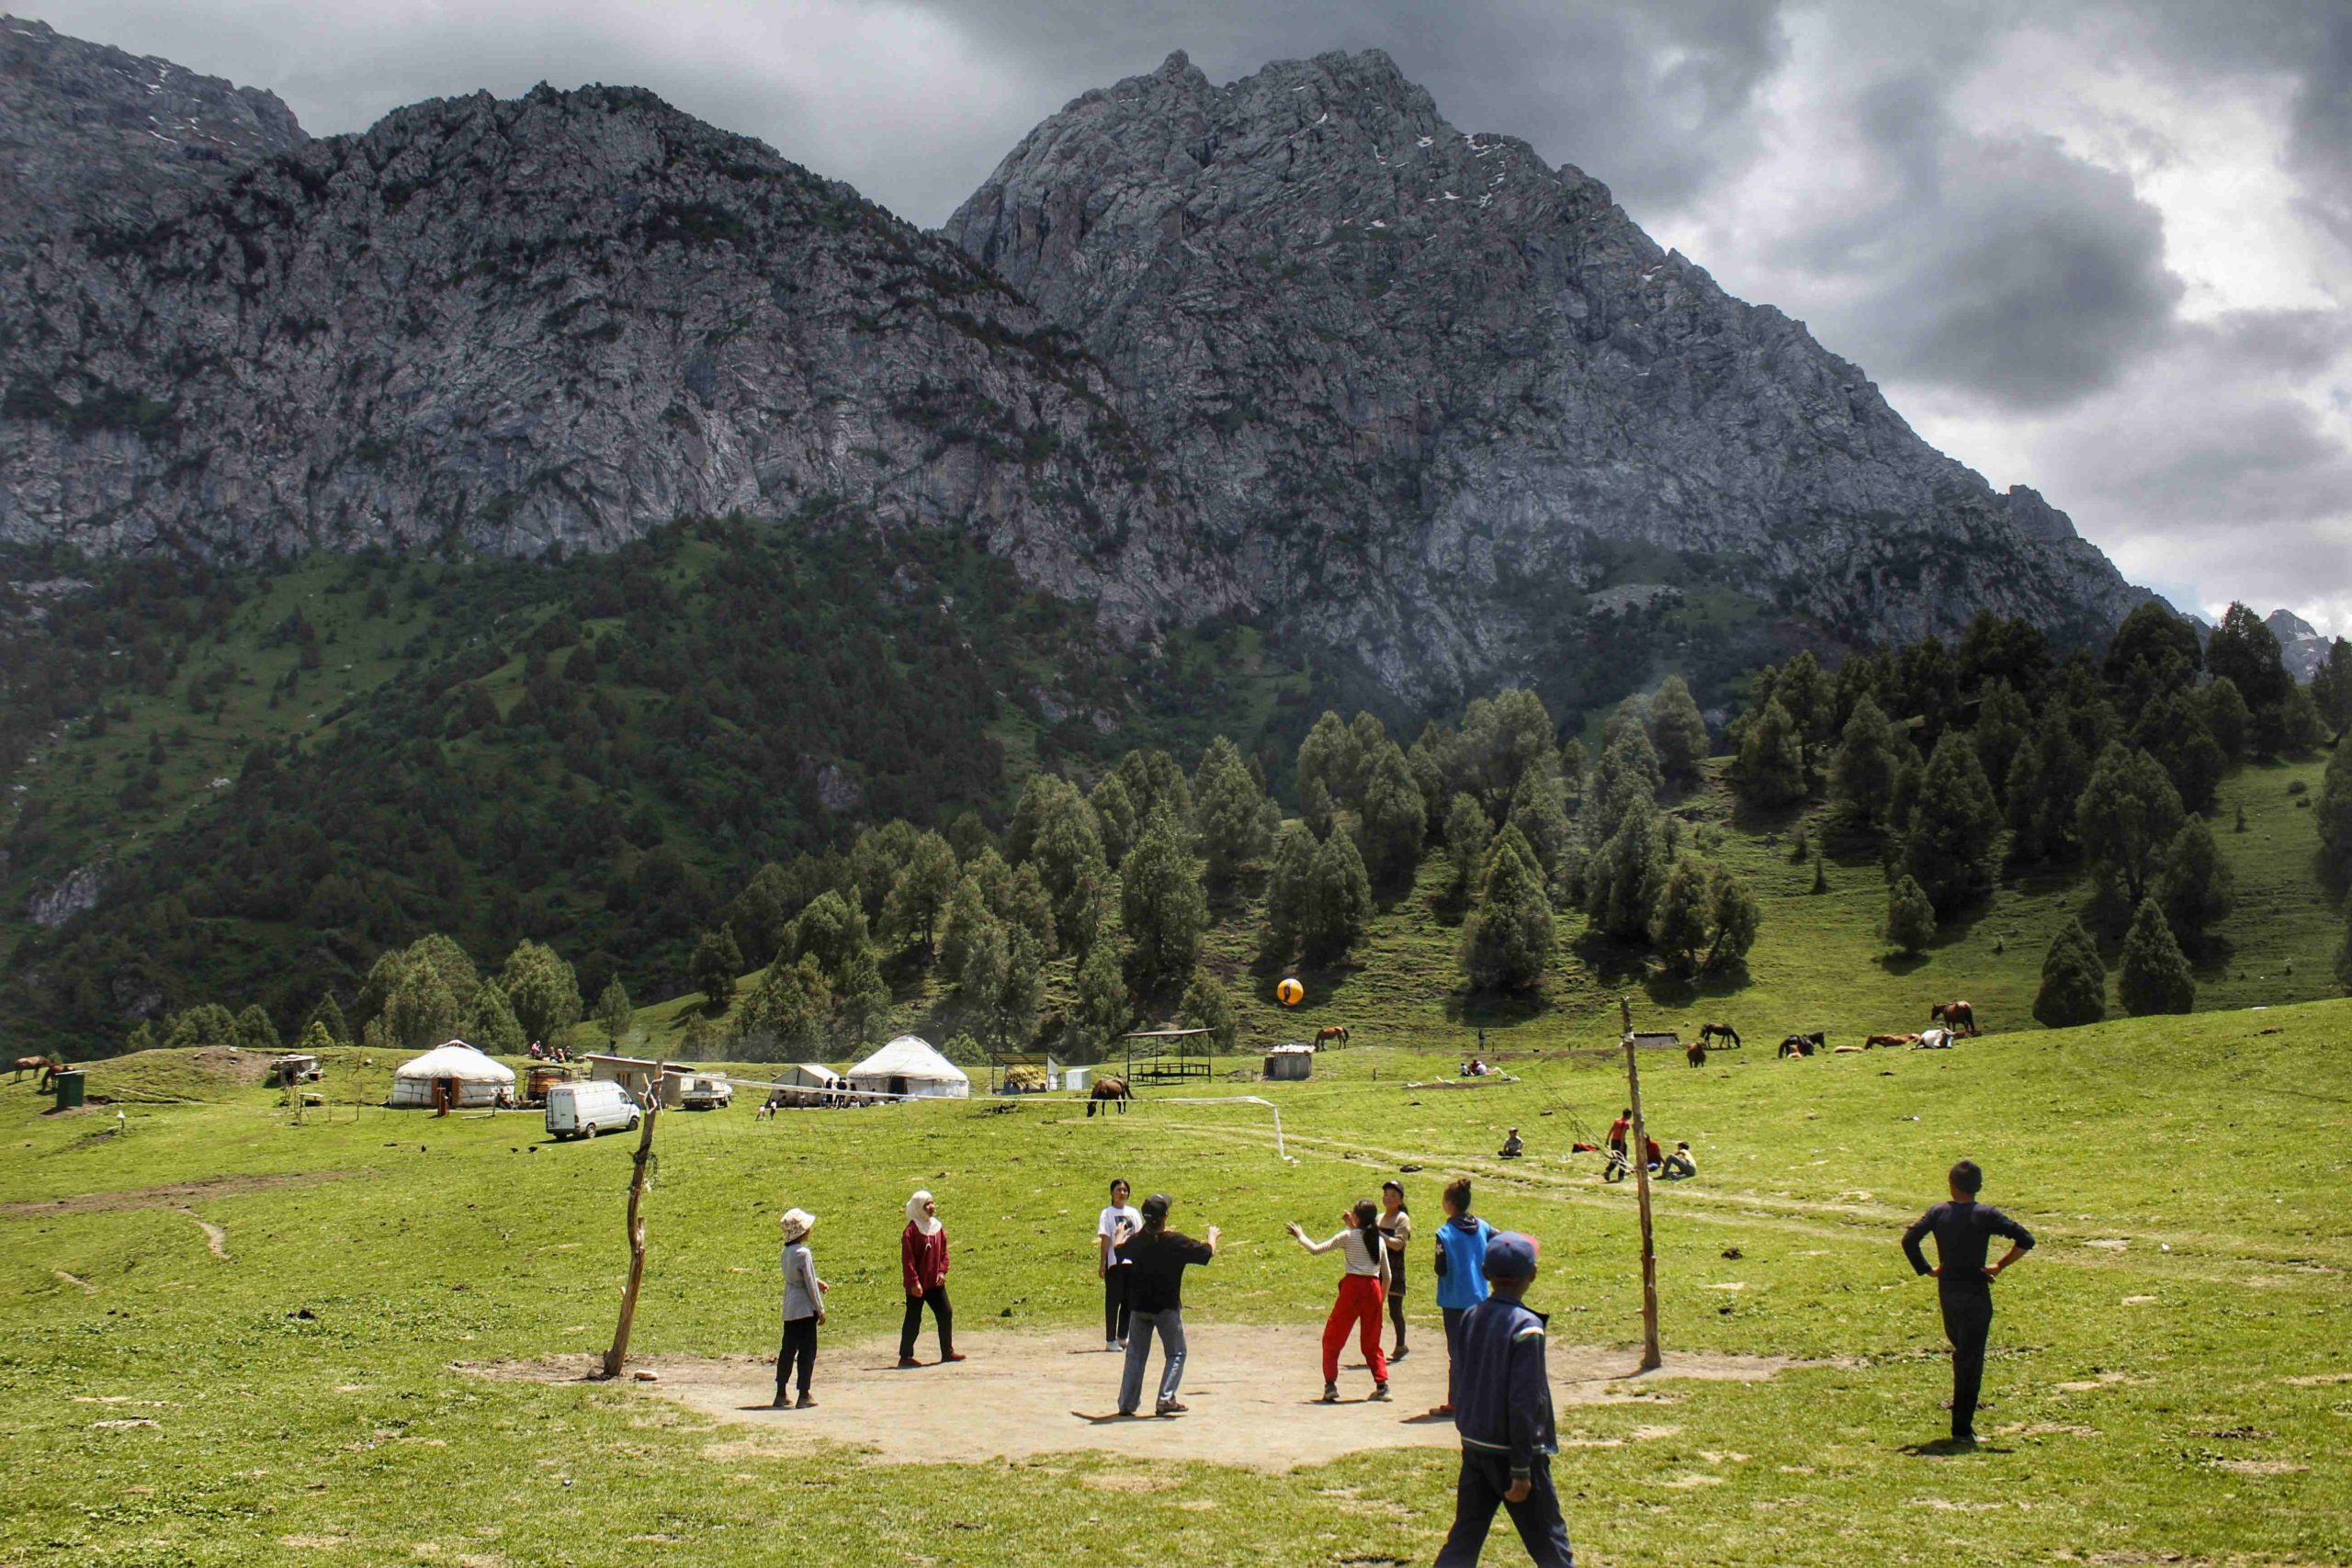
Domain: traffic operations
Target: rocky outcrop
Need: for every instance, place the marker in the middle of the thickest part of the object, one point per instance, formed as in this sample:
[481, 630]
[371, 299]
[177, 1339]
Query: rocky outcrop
[2301, 646]
[562, 321]
[1433, 393]
[89, 134]
[79, 891]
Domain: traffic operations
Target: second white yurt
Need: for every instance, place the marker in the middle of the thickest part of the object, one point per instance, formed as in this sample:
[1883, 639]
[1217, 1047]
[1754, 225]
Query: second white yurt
[453, 1076]
[909, 1067]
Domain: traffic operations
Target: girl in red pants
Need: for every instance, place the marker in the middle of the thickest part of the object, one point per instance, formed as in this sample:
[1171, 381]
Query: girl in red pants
[1363, 1290]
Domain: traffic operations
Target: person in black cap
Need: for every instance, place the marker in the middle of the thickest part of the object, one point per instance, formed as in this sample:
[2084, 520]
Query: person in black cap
[1157, 1257]
[1963, 1228]
[1502, 1409]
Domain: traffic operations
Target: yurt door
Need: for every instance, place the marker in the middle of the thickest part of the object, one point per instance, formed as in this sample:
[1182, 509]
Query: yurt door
[898, 1086]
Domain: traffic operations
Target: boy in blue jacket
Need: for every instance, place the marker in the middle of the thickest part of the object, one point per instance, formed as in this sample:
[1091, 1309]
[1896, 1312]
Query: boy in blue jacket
[1460, 1273]
[1505, 1419]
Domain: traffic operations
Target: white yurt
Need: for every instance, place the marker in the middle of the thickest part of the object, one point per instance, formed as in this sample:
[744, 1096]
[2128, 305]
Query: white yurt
[452, 1074]
[908, 1065]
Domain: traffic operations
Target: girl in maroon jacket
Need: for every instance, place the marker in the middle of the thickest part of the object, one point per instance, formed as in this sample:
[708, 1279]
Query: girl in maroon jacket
[923, 1259]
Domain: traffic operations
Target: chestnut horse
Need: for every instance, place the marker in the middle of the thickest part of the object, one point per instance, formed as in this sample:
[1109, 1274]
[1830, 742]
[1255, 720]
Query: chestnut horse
[1696, 1052]
[46, 1066]
[1890, 1040]
[1958, 1016]
[1332, 1032]
[1106, 1090]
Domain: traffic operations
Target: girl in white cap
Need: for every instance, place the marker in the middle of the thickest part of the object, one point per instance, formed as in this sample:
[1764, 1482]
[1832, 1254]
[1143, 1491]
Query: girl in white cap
[804, 1307]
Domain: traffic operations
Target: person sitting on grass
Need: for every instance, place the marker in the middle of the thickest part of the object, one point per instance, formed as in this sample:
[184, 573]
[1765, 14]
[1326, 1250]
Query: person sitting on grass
[1513, 1147]
[1504, 1416]
[1682, 1163]
[1461, 1272]
[804, 1307]
[1649, 1151]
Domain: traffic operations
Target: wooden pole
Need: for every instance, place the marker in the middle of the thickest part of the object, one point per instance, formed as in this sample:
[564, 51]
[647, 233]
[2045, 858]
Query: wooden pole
[1651, 1356]
[617, 1356]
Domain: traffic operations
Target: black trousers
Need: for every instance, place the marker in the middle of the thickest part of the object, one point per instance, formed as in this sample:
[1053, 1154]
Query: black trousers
[1454, 1316]
[1968, 1322]
[942, 1308]
[1114, 1303]
[801, 1346]
[1484, 1478]
[1397, 1309]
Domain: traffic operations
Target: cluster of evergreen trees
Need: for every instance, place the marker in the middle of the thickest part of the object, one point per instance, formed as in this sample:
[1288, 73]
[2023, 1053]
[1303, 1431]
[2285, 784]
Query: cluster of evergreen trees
[1953, 759]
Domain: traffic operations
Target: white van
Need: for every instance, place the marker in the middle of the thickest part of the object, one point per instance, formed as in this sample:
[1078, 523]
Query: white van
[585, 1109]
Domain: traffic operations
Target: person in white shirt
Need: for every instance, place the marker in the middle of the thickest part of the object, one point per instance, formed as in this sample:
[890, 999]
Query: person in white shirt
[1362, 1286]
[1113, 1225]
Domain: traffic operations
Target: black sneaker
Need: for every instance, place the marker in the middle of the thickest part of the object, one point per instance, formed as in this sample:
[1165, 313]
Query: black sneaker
[1330, 1393]
[1380, 1391]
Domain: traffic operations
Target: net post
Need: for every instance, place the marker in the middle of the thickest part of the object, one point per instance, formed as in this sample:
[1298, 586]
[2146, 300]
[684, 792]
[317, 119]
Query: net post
[1651, 1356]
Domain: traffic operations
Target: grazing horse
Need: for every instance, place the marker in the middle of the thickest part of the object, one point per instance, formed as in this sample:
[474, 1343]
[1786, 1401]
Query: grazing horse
[1333, 1033]
[1958, 1016]
[1696, 1052]
[1717, 1031]
[1106, 1090]
[1803, 1045]
[45, 1065]
[1890, 1040]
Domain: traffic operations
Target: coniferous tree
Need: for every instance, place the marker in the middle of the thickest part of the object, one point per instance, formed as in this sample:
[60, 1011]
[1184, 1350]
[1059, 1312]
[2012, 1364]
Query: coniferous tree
[1339, 901]
[970, 919]
[2245, 651]
[1575, 763]
[1154, 784]
[1623, 878]
[1395, 819]
[542, 990]
[1680, 922]
[2153, 975]
[2197, 887]
[1861, 775]
[786, 1011]
[1331, 758]
[1432, 763]
[1771, 768]
[860, 997]
[2129, 813]
[2151, 639]
[2004, 723]
[715, 962]
[1910, 917]
[2172, 730]
[2074, 980]
[1677, 729]
[1506, 942]
[1542, 818]
[1097, 1012]
[1286, 889]
[1161, 903]
[449, 961]
[1069, 860]
[328, 1014]
[1955, 828]
[1234, 819]
[2045, 790]
[1115, 817]
[255, 1032]
[919, 895]
[2333, 811]
[1468, 834]
[1734, 918]
[1315, 808]
[421, 1013]
[2226, 716]
[489, 1023]
[1207, 1006]
[2331, 688]
[614, 1013]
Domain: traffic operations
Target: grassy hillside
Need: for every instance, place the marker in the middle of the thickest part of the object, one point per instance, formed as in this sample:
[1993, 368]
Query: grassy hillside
[2167, 1380]
[1820, 963]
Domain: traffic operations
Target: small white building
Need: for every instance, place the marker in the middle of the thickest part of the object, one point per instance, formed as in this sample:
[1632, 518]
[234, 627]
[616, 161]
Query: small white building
[909, 1067]
[452, 1076]
[1290, 1063]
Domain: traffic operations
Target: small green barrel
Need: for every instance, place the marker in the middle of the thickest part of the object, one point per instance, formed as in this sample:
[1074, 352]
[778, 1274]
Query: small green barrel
[69, 1091]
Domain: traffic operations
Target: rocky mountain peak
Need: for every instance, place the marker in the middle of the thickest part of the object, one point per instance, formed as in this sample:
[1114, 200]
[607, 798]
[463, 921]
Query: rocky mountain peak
[1446, 393]
[89, 134]
[2301, 646]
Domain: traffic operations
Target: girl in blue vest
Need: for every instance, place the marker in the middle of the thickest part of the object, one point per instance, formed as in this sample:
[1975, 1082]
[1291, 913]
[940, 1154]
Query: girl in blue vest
[1461, 1272]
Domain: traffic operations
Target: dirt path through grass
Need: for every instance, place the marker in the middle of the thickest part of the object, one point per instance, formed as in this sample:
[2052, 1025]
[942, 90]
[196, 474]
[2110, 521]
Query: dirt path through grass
[171, 1195]
[1253, 1391]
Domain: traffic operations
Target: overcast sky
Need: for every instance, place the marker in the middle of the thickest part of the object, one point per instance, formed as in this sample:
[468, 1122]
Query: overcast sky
[2101, 247]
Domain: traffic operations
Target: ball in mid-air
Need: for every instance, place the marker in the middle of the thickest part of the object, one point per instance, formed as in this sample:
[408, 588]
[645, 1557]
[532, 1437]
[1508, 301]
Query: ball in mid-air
[1291, 992]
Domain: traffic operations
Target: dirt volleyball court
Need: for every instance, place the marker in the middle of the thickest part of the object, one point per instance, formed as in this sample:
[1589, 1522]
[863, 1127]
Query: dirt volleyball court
[1254, 1396]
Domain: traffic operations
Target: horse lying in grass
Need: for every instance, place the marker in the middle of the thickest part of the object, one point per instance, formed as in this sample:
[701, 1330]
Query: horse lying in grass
[1803, 1045]
[1893, 1040]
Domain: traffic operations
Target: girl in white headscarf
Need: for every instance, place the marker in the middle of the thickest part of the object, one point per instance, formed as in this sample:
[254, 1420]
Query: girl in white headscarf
[923, 1260]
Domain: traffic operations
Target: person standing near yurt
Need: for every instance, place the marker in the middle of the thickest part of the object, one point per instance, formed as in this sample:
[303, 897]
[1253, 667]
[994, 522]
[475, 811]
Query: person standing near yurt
[1363, 1283]
[1114, 1224]
[923, 1260]
[804, 1307]
[1396, 1230]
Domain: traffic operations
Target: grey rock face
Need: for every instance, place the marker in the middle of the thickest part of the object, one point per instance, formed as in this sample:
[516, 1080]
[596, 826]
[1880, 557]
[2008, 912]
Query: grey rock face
[560, 320]
[1431, 393]
[91, 134]
[79, 891]
[2301, 646]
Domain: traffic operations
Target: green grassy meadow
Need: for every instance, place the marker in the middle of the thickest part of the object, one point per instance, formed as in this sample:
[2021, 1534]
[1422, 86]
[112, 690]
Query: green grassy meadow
[2170, 1379]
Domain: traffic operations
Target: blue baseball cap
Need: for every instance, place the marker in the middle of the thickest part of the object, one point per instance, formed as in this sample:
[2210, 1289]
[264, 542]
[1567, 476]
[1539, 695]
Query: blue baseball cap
[1510, 1256]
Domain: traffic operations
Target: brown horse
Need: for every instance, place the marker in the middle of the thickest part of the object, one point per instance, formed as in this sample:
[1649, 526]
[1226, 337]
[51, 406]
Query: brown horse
[46, 1066]
[1803, 1045]
[1959, 1017]
[1106, 1090]
[1332, 1033]
[1717, 1031]
[1890, 1040]
[1696, 1052]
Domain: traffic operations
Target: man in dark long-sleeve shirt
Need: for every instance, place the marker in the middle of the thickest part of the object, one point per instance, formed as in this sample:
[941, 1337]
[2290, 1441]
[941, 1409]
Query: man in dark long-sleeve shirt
[1502, 1409]
[1963, 1229]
